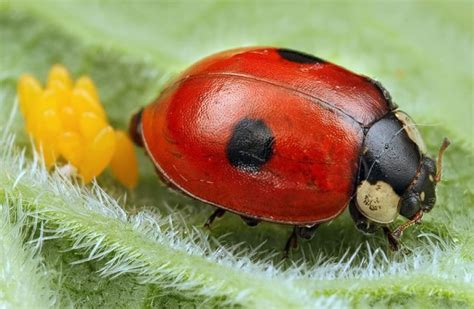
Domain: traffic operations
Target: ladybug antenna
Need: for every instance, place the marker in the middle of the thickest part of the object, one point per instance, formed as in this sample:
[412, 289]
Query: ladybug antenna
[442, 149]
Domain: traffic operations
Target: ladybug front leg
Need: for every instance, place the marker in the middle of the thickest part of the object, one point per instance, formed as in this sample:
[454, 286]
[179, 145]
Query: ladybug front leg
[392, 241]
[361, 222]
[367, 227]
[394, 236]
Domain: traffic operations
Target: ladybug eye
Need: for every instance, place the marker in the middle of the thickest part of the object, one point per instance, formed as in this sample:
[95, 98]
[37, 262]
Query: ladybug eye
[410, 205]
[67, 121]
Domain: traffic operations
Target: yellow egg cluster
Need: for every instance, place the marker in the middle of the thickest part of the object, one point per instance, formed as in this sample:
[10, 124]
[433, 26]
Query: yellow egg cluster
[67, 122]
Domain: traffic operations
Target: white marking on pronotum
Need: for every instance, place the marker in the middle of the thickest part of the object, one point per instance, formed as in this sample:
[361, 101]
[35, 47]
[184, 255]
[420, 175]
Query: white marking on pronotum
[411, 129]
[378, 202]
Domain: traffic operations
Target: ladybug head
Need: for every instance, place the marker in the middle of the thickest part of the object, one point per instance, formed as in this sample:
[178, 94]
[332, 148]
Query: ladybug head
[135, 128]
[421, 194]
[395, 175]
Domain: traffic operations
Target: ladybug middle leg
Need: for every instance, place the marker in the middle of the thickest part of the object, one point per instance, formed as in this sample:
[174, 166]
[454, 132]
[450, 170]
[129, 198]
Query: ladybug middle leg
[305, 232]
[219, 212]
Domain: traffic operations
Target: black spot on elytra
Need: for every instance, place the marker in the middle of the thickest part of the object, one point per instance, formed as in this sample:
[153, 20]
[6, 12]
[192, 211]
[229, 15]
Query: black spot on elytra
[299, 57]
[251, 145]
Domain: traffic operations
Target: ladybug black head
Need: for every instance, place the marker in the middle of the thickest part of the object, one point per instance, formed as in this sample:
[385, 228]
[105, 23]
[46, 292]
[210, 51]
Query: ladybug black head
[395, 175]
[422, 195]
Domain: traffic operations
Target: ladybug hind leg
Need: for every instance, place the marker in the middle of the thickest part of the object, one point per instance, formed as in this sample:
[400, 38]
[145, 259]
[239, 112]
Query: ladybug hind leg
[360, 221]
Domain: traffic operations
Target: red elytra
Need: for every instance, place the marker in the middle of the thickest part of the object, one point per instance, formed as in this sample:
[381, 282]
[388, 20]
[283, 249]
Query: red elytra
[311, 175]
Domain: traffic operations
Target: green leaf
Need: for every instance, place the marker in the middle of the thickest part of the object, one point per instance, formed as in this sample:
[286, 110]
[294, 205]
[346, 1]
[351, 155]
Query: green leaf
[154, 252]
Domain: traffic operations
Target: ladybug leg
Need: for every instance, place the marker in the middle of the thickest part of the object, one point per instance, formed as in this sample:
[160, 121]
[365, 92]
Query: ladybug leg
[250, 221]
[394, 236]
[291, 243]
[306, 232]
[392, 241]
[219, 212]
[360, 221]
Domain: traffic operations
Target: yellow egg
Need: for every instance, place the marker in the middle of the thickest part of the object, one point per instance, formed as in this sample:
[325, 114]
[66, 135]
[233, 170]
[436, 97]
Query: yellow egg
[59, 73]
[63, 94]
[48, 152]
[82, 102]
[47, 102]
[29, 91]
[50, 123]
[124, 162]
[90, 125]
[71, 123]
[48, 128]
[71, 147]
[97, 155]
[69, 118]
[86, 84]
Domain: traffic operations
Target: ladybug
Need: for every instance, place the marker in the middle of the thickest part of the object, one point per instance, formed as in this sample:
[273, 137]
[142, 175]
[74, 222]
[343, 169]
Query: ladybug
[282, 136]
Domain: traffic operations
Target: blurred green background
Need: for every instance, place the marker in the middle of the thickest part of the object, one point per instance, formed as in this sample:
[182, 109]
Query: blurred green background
[421, 51]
